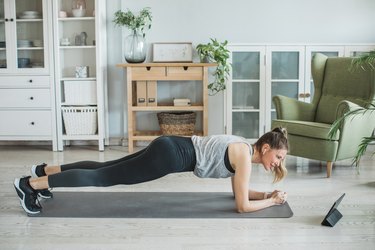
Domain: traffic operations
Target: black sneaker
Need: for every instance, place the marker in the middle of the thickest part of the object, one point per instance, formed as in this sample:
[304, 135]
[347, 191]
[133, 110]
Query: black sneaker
[28, 196]
[38, 171]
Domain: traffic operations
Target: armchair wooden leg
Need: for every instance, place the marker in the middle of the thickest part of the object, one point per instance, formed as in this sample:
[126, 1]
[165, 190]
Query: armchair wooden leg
[329, 168]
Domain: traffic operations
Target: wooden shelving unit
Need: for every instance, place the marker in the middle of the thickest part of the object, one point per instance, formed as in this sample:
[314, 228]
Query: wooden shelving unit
[163, 72]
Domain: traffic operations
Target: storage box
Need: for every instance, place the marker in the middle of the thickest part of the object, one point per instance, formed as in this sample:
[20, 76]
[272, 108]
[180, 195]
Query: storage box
[80, 120]
[80, 92]
[152, 93]
[141, 93]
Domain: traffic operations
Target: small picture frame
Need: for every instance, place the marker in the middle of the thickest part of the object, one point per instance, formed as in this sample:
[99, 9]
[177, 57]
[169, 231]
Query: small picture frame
[82, 71]
[172, 52]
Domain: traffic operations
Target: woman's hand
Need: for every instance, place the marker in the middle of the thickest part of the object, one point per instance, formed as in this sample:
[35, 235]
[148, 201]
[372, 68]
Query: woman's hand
[278, 197]
[269, 195]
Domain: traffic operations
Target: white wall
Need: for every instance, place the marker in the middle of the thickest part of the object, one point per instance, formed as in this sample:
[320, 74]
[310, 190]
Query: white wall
[238, 21]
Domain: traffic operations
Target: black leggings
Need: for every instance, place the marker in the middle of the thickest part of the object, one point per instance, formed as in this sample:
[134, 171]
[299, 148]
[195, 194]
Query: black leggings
[164, 155]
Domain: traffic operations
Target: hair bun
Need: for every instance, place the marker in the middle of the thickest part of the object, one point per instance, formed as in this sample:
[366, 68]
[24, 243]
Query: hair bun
[281, 130]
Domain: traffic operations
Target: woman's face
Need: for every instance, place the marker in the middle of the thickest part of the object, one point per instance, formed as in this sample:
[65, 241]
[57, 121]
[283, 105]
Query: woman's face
[272, 158]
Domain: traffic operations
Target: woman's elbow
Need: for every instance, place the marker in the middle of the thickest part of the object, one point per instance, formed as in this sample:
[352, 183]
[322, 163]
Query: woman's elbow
[241, 209]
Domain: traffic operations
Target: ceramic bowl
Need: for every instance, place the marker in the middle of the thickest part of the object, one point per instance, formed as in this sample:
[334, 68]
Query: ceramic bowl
[78, 12]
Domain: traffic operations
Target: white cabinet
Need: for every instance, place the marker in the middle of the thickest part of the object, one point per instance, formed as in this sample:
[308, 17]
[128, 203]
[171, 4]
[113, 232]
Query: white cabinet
[260, 72]
[27, 107]
[80, 66]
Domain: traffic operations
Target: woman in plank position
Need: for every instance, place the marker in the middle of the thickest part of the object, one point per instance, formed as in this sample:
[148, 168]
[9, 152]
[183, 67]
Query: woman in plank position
[217, 156]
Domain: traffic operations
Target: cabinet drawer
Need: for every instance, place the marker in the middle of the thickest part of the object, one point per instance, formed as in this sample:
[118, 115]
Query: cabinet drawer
[28, 98]
[185, 73]
[25, 123]
[148, 73]
[24, 81]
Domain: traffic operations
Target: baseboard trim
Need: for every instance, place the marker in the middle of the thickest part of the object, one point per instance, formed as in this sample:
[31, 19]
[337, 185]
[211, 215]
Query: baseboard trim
[113, 141]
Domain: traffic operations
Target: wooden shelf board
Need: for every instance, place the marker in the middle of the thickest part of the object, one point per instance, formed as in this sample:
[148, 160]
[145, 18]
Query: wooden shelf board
[166, 64]
[195, 107]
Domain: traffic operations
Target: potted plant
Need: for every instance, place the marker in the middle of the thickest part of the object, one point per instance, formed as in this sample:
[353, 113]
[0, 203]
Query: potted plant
[135, 47]
[216, 52]
[365, 62]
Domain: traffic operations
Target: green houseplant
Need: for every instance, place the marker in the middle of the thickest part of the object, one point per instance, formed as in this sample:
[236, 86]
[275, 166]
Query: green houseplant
[135, 46]
[365, 62]
[216, 52]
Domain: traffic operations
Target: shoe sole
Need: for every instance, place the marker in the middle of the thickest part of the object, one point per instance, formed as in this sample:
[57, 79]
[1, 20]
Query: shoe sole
[21, 195]
[44, 197]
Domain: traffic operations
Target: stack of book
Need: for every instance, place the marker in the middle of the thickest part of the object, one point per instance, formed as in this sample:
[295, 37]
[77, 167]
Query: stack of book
[181, 102]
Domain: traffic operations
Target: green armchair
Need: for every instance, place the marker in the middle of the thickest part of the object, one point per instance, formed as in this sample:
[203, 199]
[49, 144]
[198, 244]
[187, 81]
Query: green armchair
[337, 91]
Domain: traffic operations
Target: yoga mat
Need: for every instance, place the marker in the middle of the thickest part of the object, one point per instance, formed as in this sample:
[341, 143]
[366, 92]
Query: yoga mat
[151, 205]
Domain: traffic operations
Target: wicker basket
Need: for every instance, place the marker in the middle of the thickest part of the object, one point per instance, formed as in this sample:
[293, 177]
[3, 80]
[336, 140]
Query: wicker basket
[177, 123]
[80, 120]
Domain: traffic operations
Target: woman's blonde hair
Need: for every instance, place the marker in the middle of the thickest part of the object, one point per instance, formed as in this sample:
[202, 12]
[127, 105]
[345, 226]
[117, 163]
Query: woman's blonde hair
[277, 139]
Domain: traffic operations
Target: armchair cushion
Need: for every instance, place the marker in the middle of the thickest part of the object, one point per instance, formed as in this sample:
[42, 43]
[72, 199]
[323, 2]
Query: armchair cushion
[306, 129]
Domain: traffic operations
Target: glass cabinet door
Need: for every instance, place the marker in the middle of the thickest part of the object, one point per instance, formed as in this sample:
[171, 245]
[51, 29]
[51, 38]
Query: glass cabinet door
[30, 34]
[23, 39]
[246, 87]
[284, 77]
[3, 44]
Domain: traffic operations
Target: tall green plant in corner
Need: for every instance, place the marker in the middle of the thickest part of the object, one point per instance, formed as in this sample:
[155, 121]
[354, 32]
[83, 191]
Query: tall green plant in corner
[216, 52]
[365, 62]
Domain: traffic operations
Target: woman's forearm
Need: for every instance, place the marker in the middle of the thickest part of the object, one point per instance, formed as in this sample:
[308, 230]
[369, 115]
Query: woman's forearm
[256, 195]
[255, 205]
[276, 198]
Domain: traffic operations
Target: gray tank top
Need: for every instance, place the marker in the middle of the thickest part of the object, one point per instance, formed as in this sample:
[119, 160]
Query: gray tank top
[210, 151]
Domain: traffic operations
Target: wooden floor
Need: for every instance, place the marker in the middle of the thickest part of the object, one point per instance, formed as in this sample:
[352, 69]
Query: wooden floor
[310, 196]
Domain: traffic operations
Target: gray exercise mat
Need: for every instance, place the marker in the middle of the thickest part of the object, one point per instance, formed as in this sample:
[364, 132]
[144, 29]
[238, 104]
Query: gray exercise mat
[151, 205]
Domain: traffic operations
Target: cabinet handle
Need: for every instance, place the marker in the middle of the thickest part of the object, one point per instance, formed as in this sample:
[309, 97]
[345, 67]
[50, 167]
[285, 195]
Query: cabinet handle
[31, 98]
[186, 68]
[303, 95]
[32, 123]
[31, 80]
[11, 19]
[6, 19]
[148, 68]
